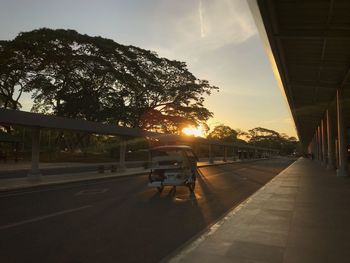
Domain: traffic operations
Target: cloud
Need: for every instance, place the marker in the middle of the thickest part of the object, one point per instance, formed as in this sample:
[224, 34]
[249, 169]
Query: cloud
[225, 22]
[200, 14]
[204, 26]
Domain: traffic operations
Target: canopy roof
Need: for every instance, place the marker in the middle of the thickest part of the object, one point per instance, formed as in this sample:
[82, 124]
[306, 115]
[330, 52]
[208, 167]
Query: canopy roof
[310, 44]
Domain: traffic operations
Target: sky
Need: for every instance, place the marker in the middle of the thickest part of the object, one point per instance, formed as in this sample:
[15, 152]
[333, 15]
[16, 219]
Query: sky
[216, 38]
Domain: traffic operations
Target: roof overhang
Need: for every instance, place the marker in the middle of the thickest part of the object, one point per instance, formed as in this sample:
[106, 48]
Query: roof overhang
[307, 43]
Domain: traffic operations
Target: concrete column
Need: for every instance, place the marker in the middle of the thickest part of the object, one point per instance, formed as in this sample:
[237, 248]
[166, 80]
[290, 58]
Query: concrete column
[316, 146]
[320, 153]
[324, 142]
[336, 153]
[330, 142]
[122, 154]
[318, 143]
[225, 154]
[211, 154]
[34, 172]
[342, 169]
[233, 154]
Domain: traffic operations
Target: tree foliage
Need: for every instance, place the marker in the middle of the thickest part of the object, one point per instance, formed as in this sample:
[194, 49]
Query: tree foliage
[15, 73]
[97, 79]
[263, 137]
[223, 133]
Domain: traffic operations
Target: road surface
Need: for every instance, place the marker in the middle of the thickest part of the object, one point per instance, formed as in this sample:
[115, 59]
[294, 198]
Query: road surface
[121, 220]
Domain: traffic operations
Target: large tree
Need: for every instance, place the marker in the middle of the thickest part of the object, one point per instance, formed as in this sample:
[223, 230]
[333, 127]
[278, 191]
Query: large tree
[15, 72]
[223, 133]
[272, 139]
[97, 79]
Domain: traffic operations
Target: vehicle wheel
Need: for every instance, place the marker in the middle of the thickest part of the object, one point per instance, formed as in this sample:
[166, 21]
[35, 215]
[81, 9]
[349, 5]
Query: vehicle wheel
[160, 189]
[191, 184]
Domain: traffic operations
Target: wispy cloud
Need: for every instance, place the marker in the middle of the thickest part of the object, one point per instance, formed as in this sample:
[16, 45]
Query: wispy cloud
[205, 26]
[200, 14]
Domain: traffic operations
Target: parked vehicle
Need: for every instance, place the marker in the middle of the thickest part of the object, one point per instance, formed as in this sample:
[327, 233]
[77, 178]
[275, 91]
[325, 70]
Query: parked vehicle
[173, 165]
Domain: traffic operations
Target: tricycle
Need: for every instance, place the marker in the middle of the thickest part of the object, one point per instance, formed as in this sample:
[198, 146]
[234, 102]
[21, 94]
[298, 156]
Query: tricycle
[173, 165]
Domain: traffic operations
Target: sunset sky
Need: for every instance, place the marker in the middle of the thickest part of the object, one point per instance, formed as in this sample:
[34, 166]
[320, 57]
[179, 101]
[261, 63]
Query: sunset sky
[217, 38]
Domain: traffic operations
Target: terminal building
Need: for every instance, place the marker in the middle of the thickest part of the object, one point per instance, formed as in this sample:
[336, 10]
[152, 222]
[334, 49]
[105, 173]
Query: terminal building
[308, 45]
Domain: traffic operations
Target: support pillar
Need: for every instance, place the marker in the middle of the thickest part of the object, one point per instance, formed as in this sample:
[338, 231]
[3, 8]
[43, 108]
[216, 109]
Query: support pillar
[320, 154]
[34, 172]
[324, 142]
[315, 147]
[330, 142]
[342, 169]
[318, 144]
[336, 153]
[211, 155]
[233, 154]
[225, 154]
[122, 154]
[16, 151]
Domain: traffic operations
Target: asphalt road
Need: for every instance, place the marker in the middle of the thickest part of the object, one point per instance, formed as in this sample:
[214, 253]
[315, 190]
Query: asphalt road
[121, 220]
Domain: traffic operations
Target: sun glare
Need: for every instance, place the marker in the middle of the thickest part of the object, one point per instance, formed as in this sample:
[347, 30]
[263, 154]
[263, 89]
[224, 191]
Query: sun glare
[194, 131]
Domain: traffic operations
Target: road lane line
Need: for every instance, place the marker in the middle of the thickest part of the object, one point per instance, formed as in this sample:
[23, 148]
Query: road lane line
[92, 191]
[43, 217]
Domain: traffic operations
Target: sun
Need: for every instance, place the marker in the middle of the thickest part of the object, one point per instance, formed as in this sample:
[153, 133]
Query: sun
[194, 131]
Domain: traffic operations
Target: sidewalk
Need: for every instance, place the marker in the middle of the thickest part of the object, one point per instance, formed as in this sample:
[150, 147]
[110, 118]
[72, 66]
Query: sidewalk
[302, 215]
[25, 182]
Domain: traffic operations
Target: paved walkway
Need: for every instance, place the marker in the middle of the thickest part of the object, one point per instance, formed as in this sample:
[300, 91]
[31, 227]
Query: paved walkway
[302, 215]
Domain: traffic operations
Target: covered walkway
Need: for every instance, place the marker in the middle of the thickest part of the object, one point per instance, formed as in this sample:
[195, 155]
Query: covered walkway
[302, 215]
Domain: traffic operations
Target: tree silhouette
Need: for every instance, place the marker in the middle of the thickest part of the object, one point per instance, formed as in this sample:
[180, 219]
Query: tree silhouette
[223, 133]
[94, 78]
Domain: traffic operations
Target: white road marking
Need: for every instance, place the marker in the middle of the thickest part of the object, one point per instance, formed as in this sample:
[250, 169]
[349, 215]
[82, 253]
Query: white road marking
[92, 191]
[43, 217]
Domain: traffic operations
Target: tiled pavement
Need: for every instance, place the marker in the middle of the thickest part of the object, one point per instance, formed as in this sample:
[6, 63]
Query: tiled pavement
[302, 215]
